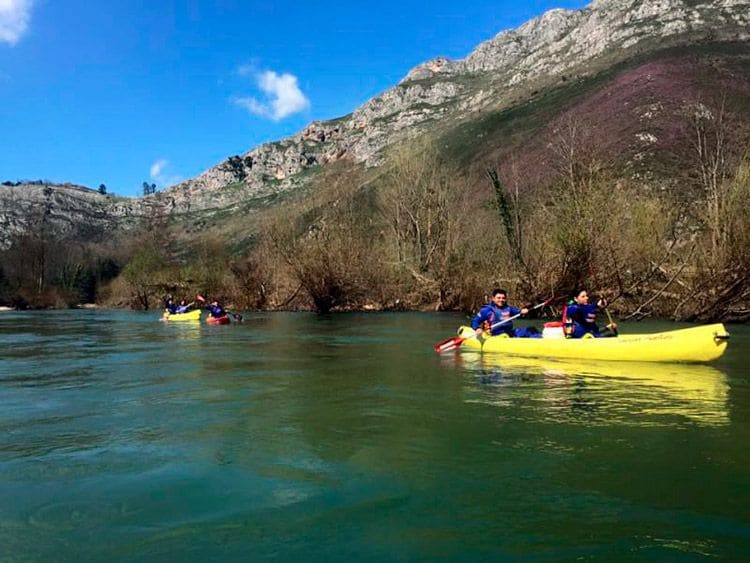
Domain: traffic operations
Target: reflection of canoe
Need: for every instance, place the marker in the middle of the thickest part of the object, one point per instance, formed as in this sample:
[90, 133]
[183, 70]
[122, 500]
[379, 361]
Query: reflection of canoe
[696, 344]
[218, 320]
[194, 315]
[631, 390]
[692, 380]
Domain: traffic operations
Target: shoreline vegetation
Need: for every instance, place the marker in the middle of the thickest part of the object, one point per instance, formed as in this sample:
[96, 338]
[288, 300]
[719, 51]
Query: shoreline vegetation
[424, 233]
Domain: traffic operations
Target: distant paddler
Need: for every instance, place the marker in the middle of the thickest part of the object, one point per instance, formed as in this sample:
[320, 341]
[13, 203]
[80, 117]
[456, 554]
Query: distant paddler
[180, 312]
[184, 306]
[217, 313]
[170, 307]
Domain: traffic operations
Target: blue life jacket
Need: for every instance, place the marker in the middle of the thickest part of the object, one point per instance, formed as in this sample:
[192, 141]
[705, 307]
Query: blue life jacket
[216, 311]
[493, 314]
[583, 318]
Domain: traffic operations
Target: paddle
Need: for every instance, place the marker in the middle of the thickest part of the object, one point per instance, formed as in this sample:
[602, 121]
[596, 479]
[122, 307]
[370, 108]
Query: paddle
[611, 326]
[455, 341]
[236, 316]
[186, 306]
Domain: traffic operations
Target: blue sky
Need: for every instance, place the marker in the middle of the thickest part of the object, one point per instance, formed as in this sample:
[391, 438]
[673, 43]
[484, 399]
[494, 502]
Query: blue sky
[124, 92]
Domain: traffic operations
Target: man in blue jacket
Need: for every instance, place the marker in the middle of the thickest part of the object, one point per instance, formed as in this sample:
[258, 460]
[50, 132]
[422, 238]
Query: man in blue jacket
[496, 311]
[216, 310]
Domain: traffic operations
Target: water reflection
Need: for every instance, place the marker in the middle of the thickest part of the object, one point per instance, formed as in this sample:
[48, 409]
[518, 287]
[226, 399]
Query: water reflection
[182, 329]
[596, 392]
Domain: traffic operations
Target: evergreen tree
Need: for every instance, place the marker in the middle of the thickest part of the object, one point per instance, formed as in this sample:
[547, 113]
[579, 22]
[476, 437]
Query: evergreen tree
[149, 189]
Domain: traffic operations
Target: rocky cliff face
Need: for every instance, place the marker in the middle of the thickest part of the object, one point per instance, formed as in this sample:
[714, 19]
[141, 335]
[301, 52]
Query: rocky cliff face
[67, 210]
[542, 50]
[501, 71]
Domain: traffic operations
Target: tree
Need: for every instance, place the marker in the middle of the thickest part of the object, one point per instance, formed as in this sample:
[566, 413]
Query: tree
[328, 244]
[143, 273]
[4, 284]
[107, 269]
[722, 161]
[41, 237]
[423, 201]
[508, 209]
[102, 189]
[148, 189]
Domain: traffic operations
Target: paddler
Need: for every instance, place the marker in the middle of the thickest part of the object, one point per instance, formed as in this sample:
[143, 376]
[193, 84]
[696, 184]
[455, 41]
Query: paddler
[215, 310]
[184, 306]
[496, 311]
[580, 317]
[170, 306]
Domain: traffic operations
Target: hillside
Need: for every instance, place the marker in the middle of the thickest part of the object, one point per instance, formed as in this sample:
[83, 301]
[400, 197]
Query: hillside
[636, 110]
[625, 78]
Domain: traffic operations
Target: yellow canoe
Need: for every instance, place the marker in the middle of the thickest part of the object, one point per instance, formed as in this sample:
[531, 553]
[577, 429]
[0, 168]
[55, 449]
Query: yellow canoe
[194, 315]
[697, 344]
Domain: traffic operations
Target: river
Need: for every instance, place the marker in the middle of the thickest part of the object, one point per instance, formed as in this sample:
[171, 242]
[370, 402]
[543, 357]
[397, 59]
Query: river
[292, 436]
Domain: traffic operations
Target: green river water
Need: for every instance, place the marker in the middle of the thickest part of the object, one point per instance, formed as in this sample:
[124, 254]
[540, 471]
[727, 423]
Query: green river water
[294, 437]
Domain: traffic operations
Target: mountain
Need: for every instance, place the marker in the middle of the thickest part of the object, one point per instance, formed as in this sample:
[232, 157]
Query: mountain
[626, 67]
[505, 73]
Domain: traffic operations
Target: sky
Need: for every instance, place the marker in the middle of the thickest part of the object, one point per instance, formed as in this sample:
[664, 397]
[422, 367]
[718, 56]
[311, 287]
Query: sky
[125, 92]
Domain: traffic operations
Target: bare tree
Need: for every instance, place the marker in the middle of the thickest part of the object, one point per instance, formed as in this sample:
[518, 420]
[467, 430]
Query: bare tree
[424, 203]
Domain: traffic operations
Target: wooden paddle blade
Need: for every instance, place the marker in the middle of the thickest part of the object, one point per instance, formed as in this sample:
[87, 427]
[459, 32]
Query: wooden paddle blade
[449, 344]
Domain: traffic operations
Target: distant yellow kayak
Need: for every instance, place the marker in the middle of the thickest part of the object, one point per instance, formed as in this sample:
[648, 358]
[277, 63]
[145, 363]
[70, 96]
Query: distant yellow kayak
[696, 344]
[194, 315]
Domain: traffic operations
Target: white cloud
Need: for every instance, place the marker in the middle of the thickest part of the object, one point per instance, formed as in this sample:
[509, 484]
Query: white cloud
[283, 95]
[158, 173]
[14, 19]
[157, 167]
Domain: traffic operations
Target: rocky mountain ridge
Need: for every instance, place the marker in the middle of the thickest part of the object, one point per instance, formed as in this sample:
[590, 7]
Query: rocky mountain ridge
[68, 210]
[541, 50]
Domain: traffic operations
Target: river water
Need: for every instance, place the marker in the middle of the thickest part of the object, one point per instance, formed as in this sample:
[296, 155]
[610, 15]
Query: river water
[297, 437]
